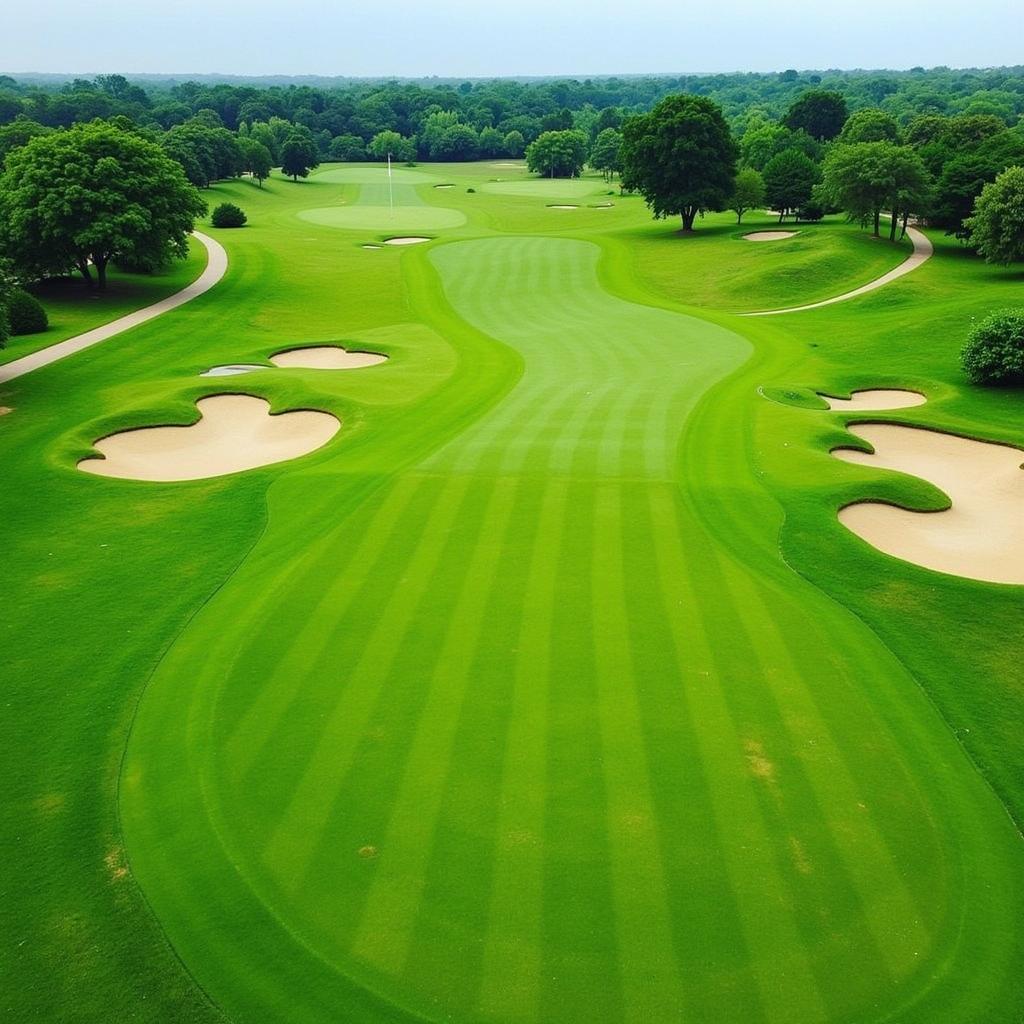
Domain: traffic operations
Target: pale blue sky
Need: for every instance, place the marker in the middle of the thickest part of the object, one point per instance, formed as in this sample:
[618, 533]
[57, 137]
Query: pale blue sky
[476, 38]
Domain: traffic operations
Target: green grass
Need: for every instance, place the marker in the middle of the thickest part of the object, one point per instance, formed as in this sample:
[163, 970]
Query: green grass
[552, 691]
[73, 309]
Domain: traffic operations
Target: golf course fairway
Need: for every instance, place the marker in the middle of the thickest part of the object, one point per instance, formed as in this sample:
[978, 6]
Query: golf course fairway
[548, 690]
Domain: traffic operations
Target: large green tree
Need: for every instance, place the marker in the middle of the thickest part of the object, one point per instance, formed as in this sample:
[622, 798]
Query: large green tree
[865, 178]
[748, 194]
[256, 159]
[16, 134]
[299, 155]
[870, 125]
[818, 112]
[81, 197]
[680, 157]
[605, 152]
[389, 143]
[558, 154]
[789, 180]
[996, 229]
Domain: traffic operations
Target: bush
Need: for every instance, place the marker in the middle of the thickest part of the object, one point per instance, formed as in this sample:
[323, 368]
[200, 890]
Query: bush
[994, 353]
[470, 189]
[25, 315]
[227, 215]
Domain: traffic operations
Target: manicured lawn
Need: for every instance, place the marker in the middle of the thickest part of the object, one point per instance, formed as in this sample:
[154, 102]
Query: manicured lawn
[552, 690]
[73, 309]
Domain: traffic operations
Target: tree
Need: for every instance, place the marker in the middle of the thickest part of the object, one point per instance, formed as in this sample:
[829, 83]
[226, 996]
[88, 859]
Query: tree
[347, 148]
[514, 144]
[865, 178]
[5, 295]
[255, 159]
[759, 144]
[558, 154]
[604, 154]
[459, 142]
[748, 193]
[16, 134]
[260, 132]
[491, 142]
[389, 143]
[965, 175]
[132, 203]
[227, 215]
[870, 125]
[994, 353]
[818, 112]
[680, 157]
[789, 180]
[996, 229]
[299, 155]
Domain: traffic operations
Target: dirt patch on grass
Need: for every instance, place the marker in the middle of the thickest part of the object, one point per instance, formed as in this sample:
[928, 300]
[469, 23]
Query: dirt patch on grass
[407, 240]
[759, 765]
[235, 432]
[981, 536]
[326, 357]
[769, 236]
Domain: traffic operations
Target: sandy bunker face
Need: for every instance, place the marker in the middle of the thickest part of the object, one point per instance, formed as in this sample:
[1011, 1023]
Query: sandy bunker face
[406, 240]
[980, 537]
[769, 236]
[236, 432]
[877, 400]
[562, 206]
[326, 357]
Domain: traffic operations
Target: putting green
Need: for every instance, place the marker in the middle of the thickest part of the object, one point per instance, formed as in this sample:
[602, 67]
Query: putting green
[544, 187]
[383, 218]
[363, 175]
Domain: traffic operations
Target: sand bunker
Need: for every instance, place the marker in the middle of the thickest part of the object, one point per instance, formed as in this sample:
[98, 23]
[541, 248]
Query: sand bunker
[326, 357]
[877, 400]
[232, 369]
[236, 432]
[768, 236]
[562, 206]
[371, 246]
[406, 240]
[444, 186]
[981, 536]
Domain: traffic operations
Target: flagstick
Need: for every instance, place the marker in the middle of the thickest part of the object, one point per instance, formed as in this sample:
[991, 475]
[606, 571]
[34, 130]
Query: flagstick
[391, 191]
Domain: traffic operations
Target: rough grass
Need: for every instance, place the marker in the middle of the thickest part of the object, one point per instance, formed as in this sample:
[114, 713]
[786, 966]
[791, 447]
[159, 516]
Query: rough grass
[552, 691]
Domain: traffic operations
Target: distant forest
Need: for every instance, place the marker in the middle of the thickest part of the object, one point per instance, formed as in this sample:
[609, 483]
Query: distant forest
[361, 109]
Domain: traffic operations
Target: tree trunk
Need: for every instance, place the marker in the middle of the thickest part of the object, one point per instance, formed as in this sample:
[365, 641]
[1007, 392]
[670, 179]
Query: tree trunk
[782, 213]
[83, 269]
[689, 214]
[100, 262]
[906, 217]
[878, 219]
[892, 226]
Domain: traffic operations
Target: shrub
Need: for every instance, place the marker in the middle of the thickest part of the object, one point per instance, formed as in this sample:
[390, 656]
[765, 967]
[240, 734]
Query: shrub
[227, 215]
[994, 353]
[470, 189]
[25, 315]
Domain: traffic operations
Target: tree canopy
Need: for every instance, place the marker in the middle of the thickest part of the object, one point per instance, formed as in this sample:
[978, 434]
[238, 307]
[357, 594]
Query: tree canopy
[996, 228]
[558, 154]
[819, 112]
[298, 156]
[605, 152]
[748, 194]
[680, 157]
[789, 180]
[132, 203]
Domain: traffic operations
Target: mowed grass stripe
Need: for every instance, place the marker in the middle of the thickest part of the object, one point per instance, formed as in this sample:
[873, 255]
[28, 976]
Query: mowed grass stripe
[320, 613]
[294, 839]
[710, 940]
[511, 969]
[389, 915]
[780, 959]
[651, 979]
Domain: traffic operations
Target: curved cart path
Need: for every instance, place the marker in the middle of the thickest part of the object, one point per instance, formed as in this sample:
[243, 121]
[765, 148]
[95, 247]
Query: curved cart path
[922, 251]
[216, 266]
